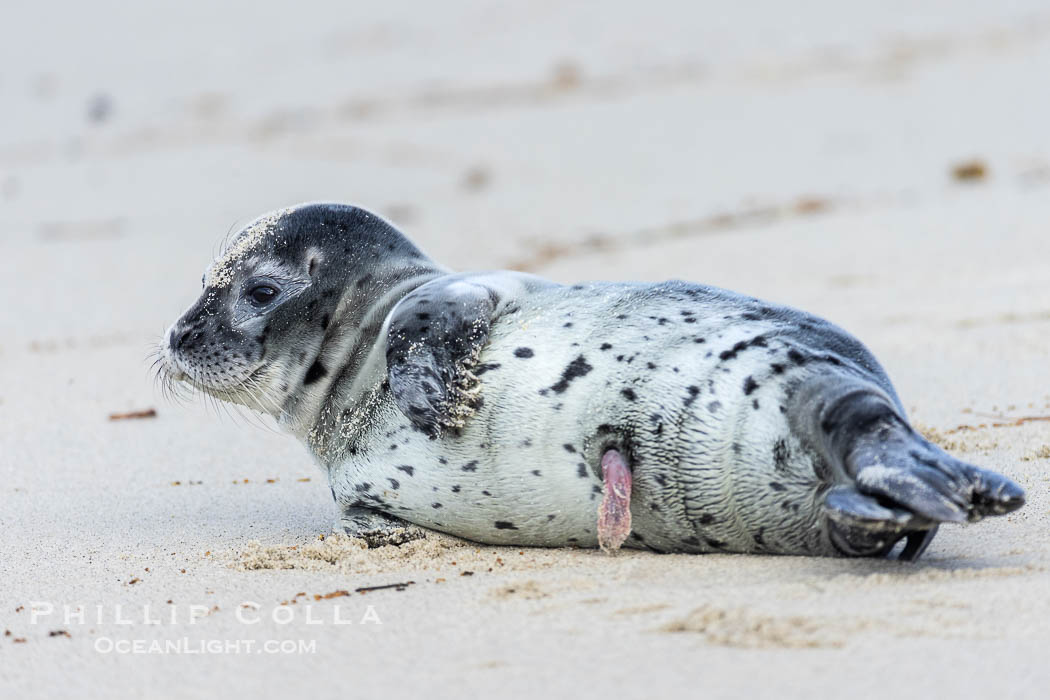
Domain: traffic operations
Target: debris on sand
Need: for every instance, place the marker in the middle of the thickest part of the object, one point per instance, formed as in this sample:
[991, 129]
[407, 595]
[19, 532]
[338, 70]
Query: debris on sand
[131, 415]
[973, 170]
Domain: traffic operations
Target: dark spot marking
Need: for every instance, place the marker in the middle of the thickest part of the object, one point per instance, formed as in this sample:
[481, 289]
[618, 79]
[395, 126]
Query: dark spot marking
[455, 488]
[777, 368]
[576, 368]
[796, 357]
[694, 391]
[581, 470]
[749, 385]
[569, 448]
[714, 406]
[605, 346]
[629, 394]
[777, 486]
[407, 469]
[523, 353]
[781, 455]
[435, 505]
[394, 484]
[536, 472]
[504, 525]
[471, 466]
[316, 372]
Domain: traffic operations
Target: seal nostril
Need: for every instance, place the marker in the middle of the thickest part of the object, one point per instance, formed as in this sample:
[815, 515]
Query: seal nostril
[182, 338]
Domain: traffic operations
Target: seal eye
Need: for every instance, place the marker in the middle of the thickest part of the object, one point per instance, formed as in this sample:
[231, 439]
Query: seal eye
[262, 294]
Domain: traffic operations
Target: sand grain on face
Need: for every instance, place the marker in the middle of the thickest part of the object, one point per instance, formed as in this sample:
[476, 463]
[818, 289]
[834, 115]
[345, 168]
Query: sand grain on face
[222, 271]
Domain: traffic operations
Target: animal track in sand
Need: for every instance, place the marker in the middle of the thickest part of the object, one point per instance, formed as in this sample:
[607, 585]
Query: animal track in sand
[740, 627]
[436, 552]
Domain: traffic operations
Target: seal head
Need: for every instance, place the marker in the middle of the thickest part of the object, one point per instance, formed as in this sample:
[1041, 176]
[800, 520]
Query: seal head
[292, 292]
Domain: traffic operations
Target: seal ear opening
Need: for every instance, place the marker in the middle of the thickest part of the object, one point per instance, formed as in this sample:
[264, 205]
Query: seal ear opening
[313, 261]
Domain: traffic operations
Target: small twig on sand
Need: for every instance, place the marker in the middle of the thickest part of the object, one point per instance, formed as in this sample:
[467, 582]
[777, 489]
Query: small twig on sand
[395, 586]
[148, 413]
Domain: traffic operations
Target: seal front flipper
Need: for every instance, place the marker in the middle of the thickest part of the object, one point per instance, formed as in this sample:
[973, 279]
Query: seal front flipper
[377, 529]
[435, 335]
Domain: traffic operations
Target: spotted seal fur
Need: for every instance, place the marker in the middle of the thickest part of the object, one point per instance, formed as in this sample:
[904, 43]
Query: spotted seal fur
[507, 409]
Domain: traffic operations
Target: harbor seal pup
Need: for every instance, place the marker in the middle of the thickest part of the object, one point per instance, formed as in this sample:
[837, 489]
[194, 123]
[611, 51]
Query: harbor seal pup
[507, 409]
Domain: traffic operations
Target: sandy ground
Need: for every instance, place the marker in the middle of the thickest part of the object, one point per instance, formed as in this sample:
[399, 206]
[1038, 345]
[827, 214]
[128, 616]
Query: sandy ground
[800, 152]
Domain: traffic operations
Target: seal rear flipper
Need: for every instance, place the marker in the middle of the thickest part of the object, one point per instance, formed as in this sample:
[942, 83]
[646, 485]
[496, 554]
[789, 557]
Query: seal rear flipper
[614, 512]
[891, 479]
[859, 525]
[895, 464]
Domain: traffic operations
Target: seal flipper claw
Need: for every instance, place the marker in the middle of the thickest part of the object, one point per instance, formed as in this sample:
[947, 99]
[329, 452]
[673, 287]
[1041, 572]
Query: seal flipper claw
[614, 513]
[916, 544]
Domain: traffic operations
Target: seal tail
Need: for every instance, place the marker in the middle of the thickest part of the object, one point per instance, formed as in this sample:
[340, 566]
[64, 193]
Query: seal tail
[892, 483]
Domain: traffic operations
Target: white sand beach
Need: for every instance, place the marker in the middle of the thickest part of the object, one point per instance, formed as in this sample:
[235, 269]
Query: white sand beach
[884, 165]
